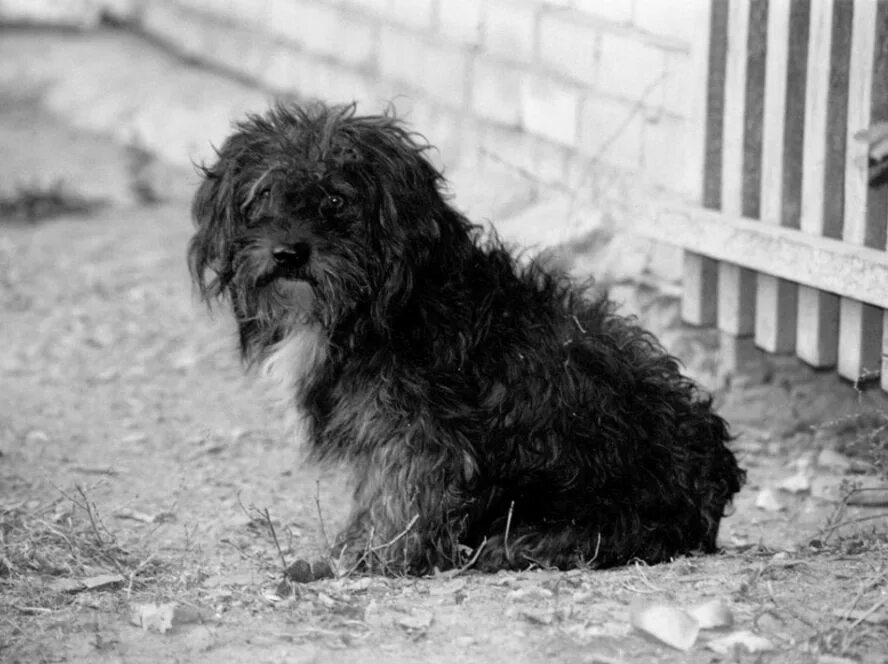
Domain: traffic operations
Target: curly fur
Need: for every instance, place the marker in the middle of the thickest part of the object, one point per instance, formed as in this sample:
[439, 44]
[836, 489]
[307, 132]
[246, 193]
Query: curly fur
[483, 406]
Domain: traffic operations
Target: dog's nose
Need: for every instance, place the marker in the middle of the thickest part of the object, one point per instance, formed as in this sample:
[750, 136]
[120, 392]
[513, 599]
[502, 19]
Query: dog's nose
[292, 255]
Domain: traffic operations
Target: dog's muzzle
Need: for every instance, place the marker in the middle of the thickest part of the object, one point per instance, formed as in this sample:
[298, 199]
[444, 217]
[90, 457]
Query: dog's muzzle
[291, 260]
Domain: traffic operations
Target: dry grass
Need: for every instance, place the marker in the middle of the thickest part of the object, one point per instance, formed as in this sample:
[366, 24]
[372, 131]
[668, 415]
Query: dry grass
[53, 554]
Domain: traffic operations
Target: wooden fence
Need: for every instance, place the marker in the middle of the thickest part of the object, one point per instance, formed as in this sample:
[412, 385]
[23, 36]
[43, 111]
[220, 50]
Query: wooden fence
[787, 244]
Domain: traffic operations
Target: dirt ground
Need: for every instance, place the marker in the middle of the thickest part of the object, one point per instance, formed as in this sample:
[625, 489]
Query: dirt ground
[149, 501]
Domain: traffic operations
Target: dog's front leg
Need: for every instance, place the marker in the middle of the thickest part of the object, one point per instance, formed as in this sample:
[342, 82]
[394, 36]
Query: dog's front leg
[406, 516]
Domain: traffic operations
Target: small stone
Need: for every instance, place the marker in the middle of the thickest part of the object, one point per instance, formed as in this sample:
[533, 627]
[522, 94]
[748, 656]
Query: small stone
[299, 572]
[320, 569]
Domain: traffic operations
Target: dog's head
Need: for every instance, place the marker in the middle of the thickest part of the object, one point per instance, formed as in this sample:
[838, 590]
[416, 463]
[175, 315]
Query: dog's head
[316, 215]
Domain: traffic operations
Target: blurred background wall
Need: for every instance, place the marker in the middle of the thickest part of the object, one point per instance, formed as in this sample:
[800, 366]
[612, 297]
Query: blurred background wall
[549, 88]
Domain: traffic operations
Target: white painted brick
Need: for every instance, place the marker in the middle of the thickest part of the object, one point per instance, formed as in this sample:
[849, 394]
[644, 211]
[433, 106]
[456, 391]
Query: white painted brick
[461, 21]
[285, 18]
[390, 93]
[441, 129]
[348, 85]
[496, 92]
[618, 11]
[348, 41]
[550, 109]
[550, 162]
[440, 71]
[569, 47]
[168, 22]
[286, 68]
[630, 68]
[418, 14]
[293, 71]
[324, 30]
[509, 30]
[468, 155]
[611, 131]
[373, 7]
[506, 149]
[400, 55]
[241, 51]
[241, 12]
[444, 74]
[667, 18]
[317, 79]
[666, 158]
[679, 86]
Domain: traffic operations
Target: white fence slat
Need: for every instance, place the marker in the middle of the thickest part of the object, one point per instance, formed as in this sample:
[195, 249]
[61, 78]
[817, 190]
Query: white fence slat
[860, 324]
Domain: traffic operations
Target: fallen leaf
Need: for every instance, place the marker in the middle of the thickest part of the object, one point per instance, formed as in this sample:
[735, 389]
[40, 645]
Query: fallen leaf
[95, 470]
[326, 600]
[712, 614]
[742, 639]
[144, 517]
[66, 585]
[417, 620]
[869, 492]
[91, 583]
[829, 458]
[153, 617]
[827, 487]
[668, 624]
[102, 581]
[530, 593]
[798, 483]
[539, 617]
[767, 500]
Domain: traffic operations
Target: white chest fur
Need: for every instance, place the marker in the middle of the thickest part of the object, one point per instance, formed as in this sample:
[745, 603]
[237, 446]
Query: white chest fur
[290, 362]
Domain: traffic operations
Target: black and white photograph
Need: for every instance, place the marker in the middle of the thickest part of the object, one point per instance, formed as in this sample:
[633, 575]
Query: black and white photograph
[396, 331]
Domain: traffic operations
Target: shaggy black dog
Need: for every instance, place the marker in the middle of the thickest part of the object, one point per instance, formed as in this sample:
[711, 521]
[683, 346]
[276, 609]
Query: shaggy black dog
[490, 412]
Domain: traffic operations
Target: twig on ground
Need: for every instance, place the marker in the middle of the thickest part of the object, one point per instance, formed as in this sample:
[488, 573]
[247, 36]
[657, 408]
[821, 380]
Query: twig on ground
[795, 614]
[508, 526]
[135, 572]
[320, 515]
[400, 535]
[274, 537]
[867, 585]
[868, 612]
[827, 531]
[638, 568]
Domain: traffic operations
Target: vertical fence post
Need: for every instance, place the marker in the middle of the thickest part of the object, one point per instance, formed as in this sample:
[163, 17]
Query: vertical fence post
[785, 71]
[700, 274]
[823, 168]
[744, 80]
[860, 324]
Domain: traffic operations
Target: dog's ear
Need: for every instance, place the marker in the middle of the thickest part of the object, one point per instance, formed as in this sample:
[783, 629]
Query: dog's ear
[418, 232]
[213, 210]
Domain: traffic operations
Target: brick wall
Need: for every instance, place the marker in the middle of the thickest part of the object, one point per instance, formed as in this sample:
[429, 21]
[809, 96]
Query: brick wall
[550, 88]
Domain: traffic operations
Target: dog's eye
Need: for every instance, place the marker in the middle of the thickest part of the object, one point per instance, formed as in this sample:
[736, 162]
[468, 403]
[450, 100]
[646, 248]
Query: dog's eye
[256, 200]
[332, 203]
[261, 196]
